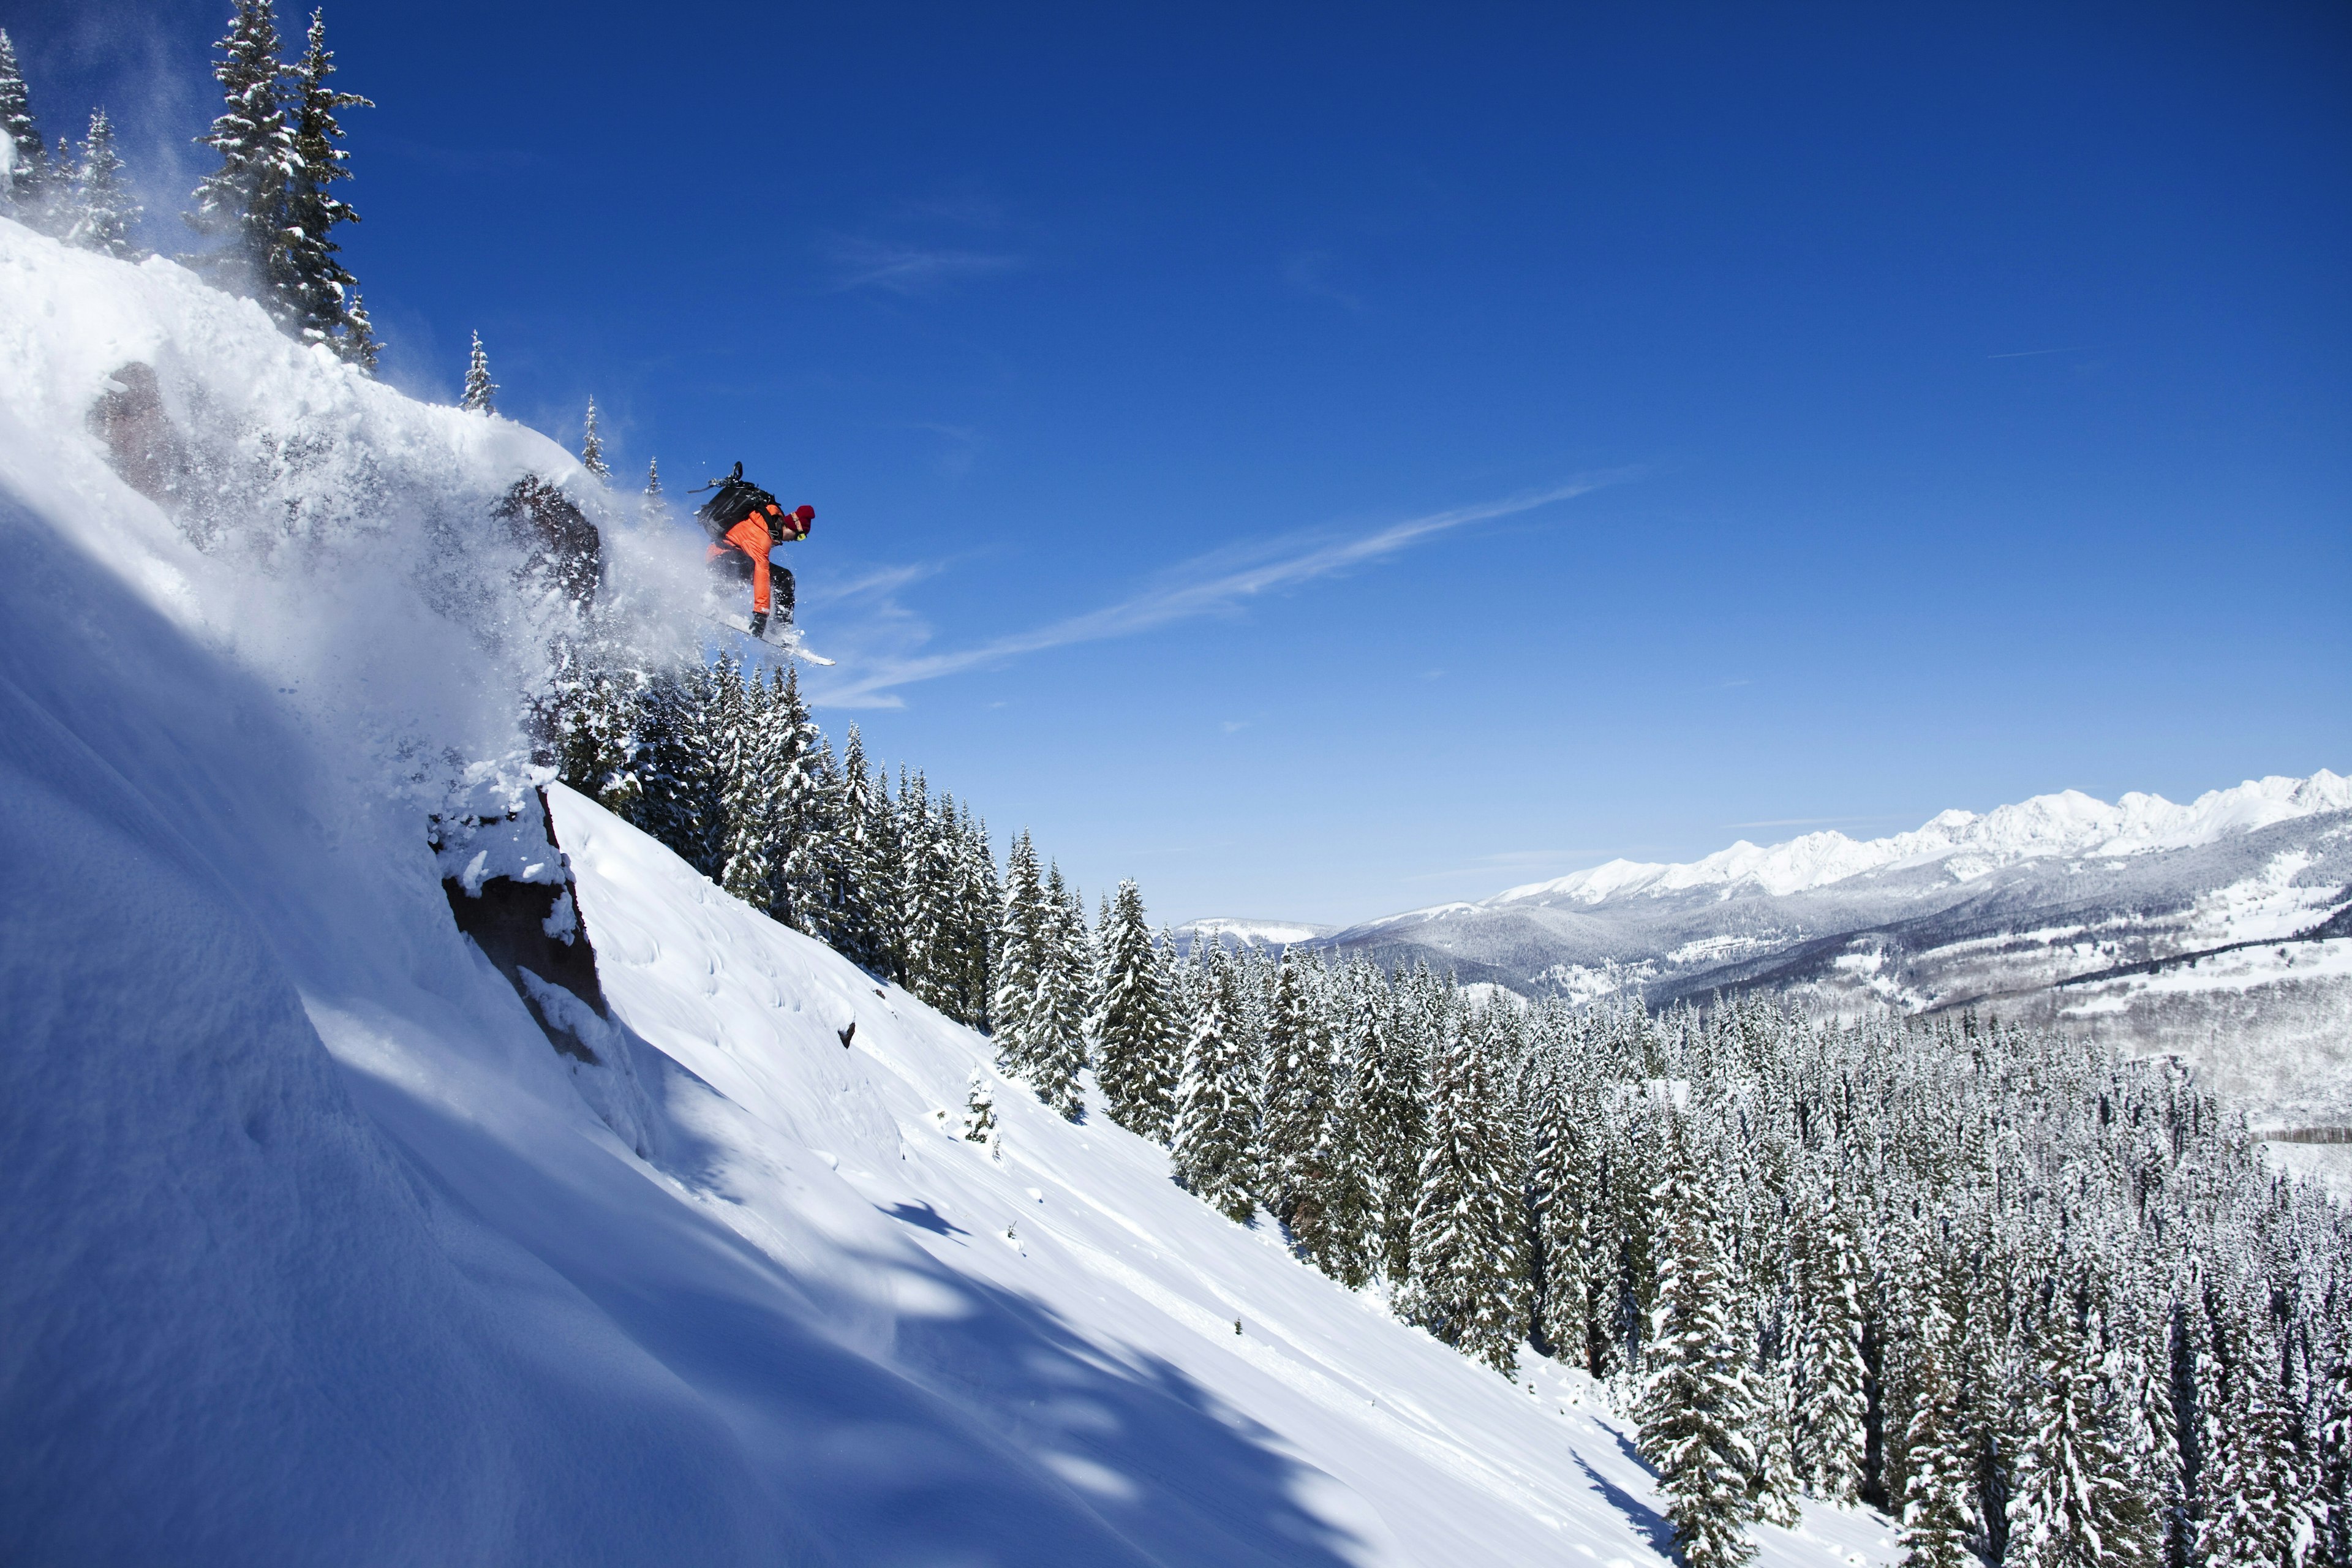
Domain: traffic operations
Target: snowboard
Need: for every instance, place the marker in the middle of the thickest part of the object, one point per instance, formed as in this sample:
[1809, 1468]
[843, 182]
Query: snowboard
[784, 639]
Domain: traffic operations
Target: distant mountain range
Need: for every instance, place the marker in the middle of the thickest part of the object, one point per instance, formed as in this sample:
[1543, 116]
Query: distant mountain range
[2221, 931]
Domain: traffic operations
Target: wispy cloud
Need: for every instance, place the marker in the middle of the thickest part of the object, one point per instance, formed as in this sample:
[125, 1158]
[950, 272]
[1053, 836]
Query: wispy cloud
[900, 267]
[1210, 585]
[879, 582]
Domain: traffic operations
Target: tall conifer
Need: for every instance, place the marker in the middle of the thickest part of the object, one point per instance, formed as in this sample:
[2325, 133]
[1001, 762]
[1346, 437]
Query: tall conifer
[102, 210]
[245, 201]
[1213, 1131]
[314, 285]
[481, 392]
[27, 185]
[592, 447]
[1137, 1049]
[1698, 1404]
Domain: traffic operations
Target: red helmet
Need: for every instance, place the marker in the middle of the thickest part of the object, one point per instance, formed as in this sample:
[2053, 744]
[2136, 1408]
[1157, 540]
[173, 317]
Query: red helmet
[805, 513]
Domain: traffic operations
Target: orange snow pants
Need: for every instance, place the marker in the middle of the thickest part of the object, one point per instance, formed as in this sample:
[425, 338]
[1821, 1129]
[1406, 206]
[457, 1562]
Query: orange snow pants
[750, 537]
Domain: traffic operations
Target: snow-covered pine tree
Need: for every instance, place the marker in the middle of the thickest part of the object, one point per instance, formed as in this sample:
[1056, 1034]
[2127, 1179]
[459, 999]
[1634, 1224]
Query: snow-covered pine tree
[1559, 1187]
[1213, 1133]
[102, 210]
[855, 887]
[592, 447]
[359, 345]
[1774, 1492]
[2264, 1507]
[678, 798]
[27, 185]
[977, 897]
[480, 391]
[244, 202]
[1390, 1121]
[1468, 1278]
[2332, 1458]
[1345, 1251]
[1020, 934]
[1055, 1021]
[1938, 1523]
[2072, 1502]
[1830, 1373]
[805, 785]
[750, 752]
[1295, 1139]
[1133, 1030]
[317, 285]
[884, 887]
[1698, 1403]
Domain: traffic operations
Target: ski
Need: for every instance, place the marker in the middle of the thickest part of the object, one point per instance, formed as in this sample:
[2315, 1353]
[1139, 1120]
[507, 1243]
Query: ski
[784, 639]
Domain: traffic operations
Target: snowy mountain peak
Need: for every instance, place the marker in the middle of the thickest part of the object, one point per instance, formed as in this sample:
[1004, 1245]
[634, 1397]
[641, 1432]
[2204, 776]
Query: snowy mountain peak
[1970, 844]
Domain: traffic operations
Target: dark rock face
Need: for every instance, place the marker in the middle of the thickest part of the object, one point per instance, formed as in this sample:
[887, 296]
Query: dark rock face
[148, 452]
[533, 930]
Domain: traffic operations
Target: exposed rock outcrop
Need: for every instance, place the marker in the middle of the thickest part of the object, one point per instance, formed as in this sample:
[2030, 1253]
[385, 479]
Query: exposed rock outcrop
[509, 888]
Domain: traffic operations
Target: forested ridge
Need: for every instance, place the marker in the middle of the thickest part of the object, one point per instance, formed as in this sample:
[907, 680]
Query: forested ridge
[2044, 1305]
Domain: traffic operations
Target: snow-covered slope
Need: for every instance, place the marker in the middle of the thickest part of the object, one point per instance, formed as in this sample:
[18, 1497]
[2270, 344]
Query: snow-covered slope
[317, 1252]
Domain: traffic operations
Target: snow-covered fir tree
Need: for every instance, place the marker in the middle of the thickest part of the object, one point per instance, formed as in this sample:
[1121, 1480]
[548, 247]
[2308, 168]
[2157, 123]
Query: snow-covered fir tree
[1698, 1407]
[480, 393]
[244, 202]
[26, 186]
[1468, 1278]
[2073, 1503]
[592, 447]
[1295, 1142]
[1054, 1023]
[1212, 1146]
[316, 288]
[802, 790]
[1020, 958]
[1391, 1117]
[359, 343]
[1560, 1195]
[2264, 1510]
[102, 213]
[1136, 1048]
[1830, 1404]
[1938, 1523]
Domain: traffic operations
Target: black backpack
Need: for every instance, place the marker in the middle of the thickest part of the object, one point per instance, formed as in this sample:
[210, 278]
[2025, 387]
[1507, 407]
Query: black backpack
[738, 498]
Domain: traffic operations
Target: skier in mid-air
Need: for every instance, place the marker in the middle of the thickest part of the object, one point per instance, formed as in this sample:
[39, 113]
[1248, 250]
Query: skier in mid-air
[745, 522]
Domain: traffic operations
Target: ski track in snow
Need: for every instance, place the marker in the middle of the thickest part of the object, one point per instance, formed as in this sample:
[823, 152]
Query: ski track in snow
[318, 1253]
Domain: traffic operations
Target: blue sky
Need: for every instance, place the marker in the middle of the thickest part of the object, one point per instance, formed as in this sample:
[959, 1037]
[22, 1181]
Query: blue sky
[1320, 461]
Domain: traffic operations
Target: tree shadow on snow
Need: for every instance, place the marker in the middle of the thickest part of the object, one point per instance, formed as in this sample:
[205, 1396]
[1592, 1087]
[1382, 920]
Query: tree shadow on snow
[1653, 1525]
[925, 1217]
[983, 1428]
